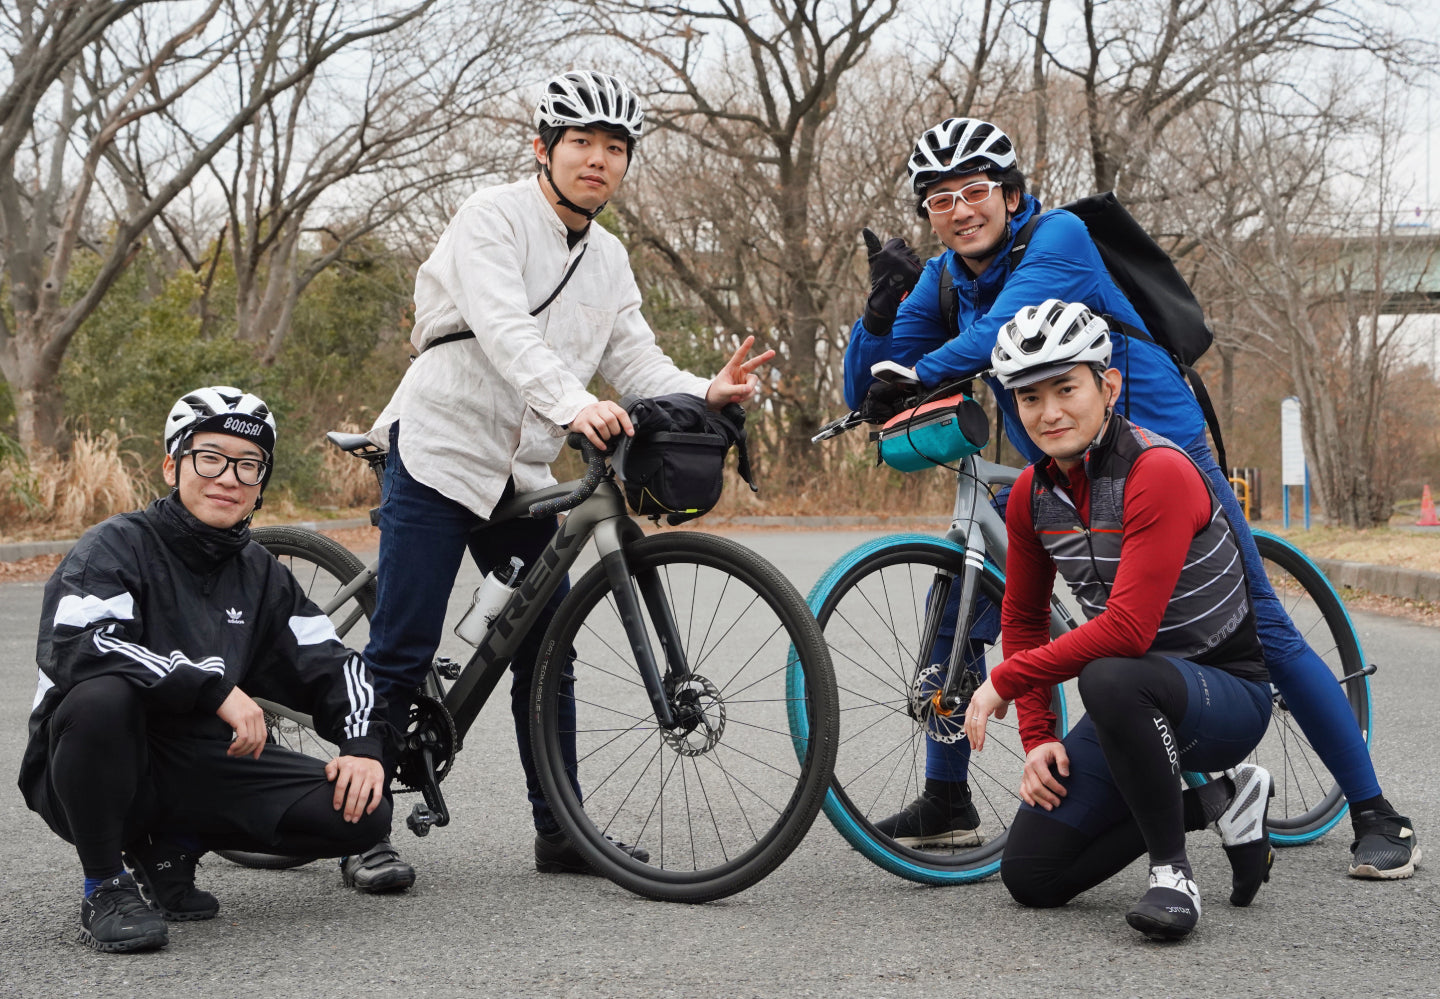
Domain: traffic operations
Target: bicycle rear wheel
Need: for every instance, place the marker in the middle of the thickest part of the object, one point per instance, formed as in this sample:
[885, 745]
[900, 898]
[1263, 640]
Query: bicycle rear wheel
[722, 800]
[871, 605]
[322, 566]
[1308, 802]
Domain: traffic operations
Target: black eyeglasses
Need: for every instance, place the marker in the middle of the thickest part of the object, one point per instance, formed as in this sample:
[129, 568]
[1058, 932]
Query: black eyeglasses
[972, 194]
[212, 465]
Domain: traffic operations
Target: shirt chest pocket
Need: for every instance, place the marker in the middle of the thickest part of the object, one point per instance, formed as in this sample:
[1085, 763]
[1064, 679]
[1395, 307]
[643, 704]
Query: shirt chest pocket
[579, 334]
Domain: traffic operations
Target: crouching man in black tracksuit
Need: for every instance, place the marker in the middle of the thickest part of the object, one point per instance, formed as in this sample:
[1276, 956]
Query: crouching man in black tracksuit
[146, 747]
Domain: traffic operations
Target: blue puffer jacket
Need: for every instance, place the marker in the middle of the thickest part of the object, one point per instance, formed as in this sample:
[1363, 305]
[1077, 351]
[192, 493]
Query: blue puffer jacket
[1061, 262]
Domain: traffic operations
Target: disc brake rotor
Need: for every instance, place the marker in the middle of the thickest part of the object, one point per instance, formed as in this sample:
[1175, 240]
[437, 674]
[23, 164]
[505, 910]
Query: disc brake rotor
[700, 712]
[940, 724]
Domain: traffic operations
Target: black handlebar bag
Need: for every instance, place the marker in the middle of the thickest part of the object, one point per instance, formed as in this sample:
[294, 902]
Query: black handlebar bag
[674, 465]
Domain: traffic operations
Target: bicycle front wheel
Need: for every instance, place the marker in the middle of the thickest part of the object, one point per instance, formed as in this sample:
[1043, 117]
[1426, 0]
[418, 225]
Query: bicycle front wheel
[1308, 803]
[721, 800]
[872, 606]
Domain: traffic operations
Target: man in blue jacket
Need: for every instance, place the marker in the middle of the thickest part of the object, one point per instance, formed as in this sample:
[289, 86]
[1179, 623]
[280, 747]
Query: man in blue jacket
[964, 173]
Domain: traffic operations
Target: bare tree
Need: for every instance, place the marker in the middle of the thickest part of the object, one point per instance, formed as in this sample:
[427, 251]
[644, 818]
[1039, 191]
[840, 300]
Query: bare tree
[1323, 283]
[92, 78]
[358, 145]
[746, 96]
[1145, 66]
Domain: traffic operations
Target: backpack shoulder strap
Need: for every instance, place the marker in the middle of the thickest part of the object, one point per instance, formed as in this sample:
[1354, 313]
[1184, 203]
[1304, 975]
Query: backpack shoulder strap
[1022, 241]
[949, 301]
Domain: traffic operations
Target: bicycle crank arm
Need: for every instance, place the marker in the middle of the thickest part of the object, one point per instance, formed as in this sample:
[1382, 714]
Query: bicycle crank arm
[433, 812]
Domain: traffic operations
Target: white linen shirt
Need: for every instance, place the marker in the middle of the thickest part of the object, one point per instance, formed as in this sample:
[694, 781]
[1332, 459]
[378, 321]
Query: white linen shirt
[474, 413]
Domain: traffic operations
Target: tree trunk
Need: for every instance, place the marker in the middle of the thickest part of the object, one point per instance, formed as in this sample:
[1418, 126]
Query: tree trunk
[39, 404]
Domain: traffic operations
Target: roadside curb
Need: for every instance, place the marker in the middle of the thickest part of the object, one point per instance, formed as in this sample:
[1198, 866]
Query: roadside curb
[16, 550]
[1390, 581]
[1386, 580]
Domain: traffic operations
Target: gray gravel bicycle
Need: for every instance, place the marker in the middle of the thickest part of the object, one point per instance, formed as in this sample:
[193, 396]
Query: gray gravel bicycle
[684, 660]
[890, 608]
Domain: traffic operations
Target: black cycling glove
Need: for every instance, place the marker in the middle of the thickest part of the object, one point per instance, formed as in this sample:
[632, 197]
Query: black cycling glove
[883, 401]
[894, 269]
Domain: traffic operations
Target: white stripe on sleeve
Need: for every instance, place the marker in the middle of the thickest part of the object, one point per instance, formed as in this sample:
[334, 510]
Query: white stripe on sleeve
[314, 630]
[362, 697]
[45, 684]
[153, 661]
[81, 612]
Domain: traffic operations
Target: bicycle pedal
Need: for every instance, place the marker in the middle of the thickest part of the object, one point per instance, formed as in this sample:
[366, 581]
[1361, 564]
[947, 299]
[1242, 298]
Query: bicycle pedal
[421, 819]
[448, 668]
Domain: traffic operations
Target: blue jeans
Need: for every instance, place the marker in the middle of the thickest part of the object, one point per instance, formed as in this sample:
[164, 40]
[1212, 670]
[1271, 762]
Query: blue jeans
[423, 536]
[950, 761]
[1309, 688]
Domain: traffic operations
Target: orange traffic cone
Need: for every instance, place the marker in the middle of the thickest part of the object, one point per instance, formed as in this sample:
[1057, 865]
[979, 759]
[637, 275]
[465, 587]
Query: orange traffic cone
[1427, 511]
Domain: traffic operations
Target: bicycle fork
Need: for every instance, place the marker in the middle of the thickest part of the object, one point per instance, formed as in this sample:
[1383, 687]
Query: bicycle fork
[657, 605]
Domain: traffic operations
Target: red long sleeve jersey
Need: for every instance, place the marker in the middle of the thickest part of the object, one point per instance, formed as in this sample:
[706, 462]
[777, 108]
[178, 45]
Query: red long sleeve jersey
[1166, 504]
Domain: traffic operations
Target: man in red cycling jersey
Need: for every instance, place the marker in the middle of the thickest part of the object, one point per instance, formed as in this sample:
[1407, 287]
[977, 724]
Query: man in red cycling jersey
[1170, 668]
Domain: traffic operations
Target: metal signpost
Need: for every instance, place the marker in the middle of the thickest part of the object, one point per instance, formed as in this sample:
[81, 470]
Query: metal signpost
[1293, 471]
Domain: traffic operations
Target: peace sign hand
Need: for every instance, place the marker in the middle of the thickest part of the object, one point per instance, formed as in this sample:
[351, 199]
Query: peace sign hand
[737, 381]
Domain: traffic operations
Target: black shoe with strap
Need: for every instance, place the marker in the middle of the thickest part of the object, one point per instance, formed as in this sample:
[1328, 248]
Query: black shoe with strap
[555, 854]
[115, 919]
[378, 869]
[166, 876]
[1385, 847]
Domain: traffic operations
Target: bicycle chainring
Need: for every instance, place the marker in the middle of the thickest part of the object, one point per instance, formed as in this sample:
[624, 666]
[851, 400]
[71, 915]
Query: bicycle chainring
[430, 725]
[700, 714]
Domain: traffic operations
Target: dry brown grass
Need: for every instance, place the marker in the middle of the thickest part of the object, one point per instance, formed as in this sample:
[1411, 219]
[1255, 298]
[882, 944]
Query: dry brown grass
[53, 497]
[1400, 545]
[348, 479]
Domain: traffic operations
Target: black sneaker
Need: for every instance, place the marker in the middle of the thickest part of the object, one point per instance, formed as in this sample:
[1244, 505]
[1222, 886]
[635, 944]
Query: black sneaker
[114, 919]
[554, 854]
[935, 820]
[166, 876]
[1385, 848]
[378, 869]
[1170, 909]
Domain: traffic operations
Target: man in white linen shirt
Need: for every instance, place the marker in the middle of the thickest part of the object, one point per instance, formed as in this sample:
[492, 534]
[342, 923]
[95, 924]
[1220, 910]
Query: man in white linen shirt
[520, 304]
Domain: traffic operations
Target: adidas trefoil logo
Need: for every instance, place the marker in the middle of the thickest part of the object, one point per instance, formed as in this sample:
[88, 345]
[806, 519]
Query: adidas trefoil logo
[235, 616]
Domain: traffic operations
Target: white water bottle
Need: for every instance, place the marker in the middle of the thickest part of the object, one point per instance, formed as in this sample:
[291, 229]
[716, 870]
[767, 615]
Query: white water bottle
[490, 597]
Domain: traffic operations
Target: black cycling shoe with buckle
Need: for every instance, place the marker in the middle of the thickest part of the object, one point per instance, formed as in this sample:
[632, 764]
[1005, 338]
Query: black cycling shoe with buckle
[166, 876]
[554, 854]
[942, 816]
[378, 869]
[1385, 848]
[115, 919]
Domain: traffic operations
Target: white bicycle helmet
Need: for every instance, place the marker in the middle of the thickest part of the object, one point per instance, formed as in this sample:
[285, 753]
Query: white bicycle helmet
[958, 146]
[220, 409]
[582, 98]
[1046, 340]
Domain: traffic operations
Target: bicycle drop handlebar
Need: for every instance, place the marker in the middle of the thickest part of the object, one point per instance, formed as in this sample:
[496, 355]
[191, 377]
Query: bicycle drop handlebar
[594, 474]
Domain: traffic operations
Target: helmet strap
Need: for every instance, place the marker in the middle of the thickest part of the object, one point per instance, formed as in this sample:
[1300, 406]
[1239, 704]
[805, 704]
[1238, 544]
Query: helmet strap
[560, 198]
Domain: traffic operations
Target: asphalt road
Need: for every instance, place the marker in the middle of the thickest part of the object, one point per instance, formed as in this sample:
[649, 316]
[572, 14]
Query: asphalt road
[481, 921]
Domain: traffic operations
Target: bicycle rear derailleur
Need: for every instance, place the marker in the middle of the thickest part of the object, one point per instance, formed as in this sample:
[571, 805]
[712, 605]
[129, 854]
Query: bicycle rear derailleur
[427, 751]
